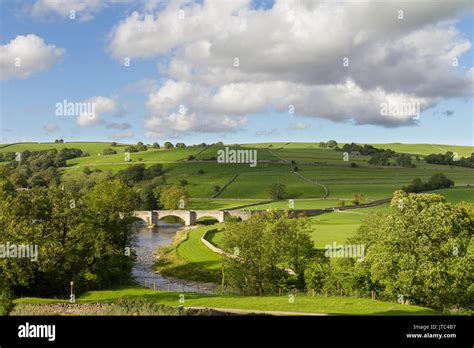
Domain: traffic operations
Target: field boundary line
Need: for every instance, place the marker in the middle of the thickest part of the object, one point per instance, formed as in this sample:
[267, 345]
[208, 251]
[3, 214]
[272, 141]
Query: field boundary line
[326, 190]
[258, 311]
[225, 185]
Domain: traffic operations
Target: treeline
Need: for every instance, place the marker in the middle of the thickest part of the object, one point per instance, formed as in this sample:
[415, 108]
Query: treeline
[380, 157]
[437, 181]
[449, 158]
[37, 168]
[85, 239]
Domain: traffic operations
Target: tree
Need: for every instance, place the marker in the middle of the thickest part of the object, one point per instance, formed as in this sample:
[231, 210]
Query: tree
[141, 147]
[168, 145]
[420, 250]
[277, 191]
[156, 145]
[153, 171]
[79, 238]
[6, 298]
[173, 197]
[108, 151]
[262, 246]
[180, 145]
[404, 160]
[331, 144]
[131, 149]
[132, 174]
[322, 144]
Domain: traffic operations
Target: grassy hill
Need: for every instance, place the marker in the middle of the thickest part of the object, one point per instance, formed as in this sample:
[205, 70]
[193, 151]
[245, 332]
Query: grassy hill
[318, 170]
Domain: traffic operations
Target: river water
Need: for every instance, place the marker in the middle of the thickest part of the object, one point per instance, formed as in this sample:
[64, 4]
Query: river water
[147, 240]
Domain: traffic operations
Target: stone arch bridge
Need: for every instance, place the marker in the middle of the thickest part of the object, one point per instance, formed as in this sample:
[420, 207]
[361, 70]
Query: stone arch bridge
[190, 217]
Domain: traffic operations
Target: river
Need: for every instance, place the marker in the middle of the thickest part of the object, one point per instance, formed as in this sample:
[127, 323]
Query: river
[148, 239]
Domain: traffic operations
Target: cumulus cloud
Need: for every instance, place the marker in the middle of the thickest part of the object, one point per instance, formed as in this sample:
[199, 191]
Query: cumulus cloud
[298, 126]
[121, 136]
[83, 10]
[336, 60]
[118, 126]
[26, 55]
[51, 127]
[99, 105]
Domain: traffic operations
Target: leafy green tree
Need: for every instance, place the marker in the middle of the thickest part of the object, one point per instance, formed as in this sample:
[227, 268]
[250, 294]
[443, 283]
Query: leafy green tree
[108, 151]
[331, 144]
[132, 174]
[153, 171]
[131, 149]
[78, 238]
[180, 145]
[172, 196]
[420, 250]
[141, 147]
[156, 145]
[262, 247]
[6, 299]
[168, 145]
[277, 191]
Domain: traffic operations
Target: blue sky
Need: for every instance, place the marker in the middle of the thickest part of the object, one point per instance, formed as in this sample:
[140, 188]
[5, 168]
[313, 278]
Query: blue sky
[89, 67]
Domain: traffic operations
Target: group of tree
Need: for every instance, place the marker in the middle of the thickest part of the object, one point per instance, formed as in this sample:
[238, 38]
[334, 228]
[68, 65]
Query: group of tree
[449, 158]
[364, 150]
[437, 181]
[37, 168]
[269, 251]
[136, 148]
[277, 191]
[417, 253]
[84, 239]
[59, 141]
[138, 172]
[404, 160]
[108, 151]
[330, 144]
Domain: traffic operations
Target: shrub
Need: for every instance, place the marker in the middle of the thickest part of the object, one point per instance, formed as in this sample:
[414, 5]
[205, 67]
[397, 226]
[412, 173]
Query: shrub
[108, 151]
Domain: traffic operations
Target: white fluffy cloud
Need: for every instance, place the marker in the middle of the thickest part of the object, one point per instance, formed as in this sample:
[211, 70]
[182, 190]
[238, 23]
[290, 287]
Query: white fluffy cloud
[99, 105]
[26, 55]
[226, 60]
[84, 10]
[122, 136]
[51, 127]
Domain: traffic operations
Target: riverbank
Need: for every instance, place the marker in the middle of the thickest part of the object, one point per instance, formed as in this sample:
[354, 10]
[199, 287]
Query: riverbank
[187, 258]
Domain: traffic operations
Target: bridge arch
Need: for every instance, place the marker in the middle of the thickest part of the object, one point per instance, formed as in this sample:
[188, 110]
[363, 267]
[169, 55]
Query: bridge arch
[185, 215]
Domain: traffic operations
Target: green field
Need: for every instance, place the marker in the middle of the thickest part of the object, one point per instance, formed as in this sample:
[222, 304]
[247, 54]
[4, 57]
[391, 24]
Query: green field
[417, 149]
[318, 168]
[302, 303]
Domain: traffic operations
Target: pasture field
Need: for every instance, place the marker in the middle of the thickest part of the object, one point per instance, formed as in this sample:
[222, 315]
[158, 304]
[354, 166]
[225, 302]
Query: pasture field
[91, 147]
[219, 204]
[302, 303]
[415, 149]
[316, 169]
